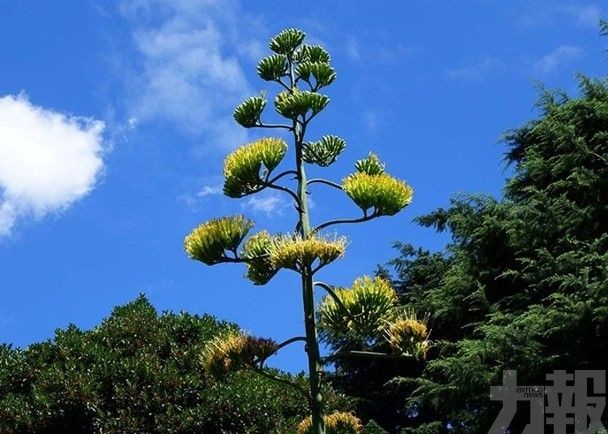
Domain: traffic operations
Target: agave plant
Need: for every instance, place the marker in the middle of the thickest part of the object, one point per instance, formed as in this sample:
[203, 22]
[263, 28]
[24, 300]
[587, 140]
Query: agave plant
[368, 309]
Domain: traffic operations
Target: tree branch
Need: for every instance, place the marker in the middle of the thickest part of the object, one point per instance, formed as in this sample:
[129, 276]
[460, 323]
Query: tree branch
[345, 221]
[281, 175]
[233, 260]
[281, 380]
[283, 84]
[266, 183]
[595, 154]
[326, 182]
[263, 125]
[285, 189]
[366, 354]
[291, 341]
[281, 346]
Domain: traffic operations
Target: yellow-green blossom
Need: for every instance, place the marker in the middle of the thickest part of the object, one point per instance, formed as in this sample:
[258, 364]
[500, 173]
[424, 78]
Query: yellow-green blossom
[335, 423]
[209, 241]
[234, 350]
[246, 167]
[408, 336]
[367, 305]
[383, 193]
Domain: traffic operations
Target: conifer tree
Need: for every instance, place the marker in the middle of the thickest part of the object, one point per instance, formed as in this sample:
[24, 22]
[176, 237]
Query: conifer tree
[369, 310]
[523, 284]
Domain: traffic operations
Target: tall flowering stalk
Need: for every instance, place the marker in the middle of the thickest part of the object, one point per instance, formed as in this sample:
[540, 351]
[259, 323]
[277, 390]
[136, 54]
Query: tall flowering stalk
[366, 312]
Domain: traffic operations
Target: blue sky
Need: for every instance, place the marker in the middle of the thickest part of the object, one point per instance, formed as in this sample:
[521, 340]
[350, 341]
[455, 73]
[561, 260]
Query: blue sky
[115, 118]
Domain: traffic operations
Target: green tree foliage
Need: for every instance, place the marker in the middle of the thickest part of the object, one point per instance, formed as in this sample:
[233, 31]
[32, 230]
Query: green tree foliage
[140, 372]
[522, 285]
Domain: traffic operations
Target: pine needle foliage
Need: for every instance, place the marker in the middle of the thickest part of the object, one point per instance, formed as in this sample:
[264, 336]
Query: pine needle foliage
[522, 285]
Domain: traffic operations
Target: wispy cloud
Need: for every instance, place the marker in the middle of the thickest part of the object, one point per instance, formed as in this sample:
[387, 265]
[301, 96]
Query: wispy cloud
[557, 57]
[588, 15]
[210, 190]
[476, 71]
[372, 120]
[197, 197]
[375, 50]
[48, 160]
[352, 49]
[268, 203]
[190, 65]
[554, 13]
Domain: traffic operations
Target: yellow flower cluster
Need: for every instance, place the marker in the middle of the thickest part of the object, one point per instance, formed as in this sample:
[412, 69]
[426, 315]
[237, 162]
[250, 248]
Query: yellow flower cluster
[294, 252]
[245, 167]
[335, 423]
[370, 302]
[385, 194]
[234, 350]
[408, 336]
[209, 241]
[267, 254]
[370, 313]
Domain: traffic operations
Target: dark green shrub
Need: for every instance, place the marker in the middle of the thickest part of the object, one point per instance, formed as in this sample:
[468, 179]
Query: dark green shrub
[138, 372]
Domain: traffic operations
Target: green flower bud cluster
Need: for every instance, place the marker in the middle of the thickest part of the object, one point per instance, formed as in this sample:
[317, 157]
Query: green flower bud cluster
[323, 152]
[248, 113]
[299, 103]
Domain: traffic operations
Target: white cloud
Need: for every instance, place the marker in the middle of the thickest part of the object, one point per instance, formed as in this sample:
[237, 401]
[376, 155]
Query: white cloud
[476, 71]
[48, 160]
[588, 15]
[555, 58]
[210, 190]
[191, 55]
[268, 203]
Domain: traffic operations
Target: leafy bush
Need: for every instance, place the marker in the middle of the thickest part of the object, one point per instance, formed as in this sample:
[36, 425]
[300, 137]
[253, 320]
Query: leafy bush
[139, 372]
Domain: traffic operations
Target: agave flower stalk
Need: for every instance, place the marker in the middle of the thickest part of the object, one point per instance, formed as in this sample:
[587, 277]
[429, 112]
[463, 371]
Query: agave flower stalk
[370, 307]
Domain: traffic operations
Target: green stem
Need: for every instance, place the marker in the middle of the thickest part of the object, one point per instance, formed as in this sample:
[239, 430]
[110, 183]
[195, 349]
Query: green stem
[312, 343]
